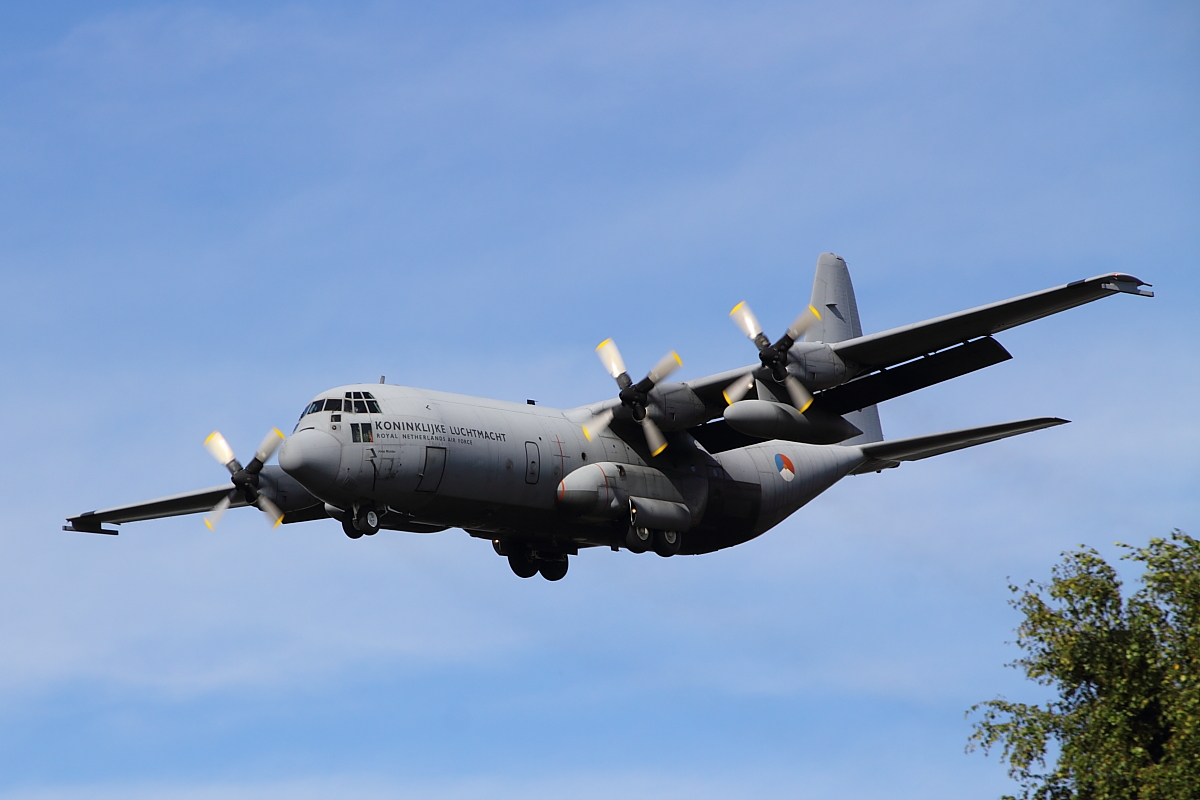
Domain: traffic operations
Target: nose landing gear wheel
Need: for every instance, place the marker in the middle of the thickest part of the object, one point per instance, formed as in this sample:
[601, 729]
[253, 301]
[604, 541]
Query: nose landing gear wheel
[351, 531]
[554, 570]
[367, 521]
[523, 566]
[666, 543]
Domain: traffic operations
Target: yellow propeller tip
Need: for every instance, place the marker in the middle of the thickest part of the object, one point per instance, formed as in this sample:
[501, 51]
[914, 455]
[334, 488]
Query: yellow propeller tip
[601, 345]
[678, 360]
[587, 434]
[735, 308]
[278, 522]
[279, 433]
[211, 436]
[208, 524]
[659, 450]
[816, 313]
[806, 405]
[728, 402]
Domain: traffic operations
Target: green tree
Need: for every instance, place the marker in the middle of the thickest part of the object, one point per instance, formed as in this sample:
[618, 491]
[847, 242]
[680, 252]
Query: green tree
[1125, 721]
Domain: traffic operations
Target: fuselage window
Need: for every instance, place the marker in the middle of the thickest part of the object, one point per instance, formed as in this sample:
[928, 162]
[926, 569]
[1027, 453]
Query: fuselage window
[361, 432]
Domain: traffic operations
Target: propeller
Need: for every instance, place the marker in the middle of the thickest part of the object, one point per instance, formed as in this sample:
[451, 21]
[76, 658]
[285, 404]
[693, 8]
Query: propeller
[772, 356]
[634, 396]
[245, 479]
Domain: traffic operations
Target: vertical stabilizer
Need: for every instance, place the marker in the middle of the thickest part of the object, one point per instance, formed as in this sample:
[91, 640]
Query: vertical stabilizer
[833, 297]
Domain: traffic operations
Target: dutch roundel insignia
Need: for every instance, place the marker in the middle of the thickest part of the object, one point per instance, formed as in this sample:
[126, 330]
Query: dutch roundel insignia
[785, 466]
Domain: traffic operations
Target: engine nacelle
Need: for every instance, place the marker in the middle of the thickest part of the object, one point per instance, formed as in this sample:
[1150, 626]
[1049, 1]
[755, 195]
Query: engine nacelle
[767, 420]
[816, 365]
[676, 407]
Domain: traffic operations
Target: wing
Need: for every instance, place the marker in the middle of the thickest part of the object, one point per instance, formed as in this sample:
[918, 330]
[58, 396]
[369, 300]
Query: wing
[196, 502]
[883, 455]
[910, 341]
[297, 504]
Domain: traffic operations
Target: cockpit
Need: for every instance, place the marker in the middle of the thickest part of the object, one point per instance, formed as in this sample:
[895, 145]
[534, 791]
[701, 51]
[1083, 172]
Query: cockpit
[352, 403]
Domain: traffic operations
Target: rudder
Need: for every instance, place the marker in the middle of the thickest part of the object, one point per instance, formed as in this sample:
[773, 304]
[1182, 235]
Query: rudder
[833, 297]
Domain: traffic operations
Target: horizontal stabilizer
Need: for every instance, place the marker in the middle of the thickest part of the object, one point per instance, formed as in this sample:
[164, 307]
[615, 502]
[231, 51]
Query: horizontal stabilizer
[883, 455]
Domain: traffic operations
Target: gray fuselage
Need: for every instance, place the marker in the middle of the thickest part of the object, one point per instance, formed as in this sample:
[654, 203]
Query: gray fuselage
[433, 460]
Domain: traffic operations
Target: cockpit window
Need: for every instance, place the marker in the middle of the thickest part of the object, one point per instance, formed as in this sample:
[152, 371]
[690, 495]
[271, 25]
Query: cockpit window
[333, 404]
[313, 406]
[360, 406]
[373, 405]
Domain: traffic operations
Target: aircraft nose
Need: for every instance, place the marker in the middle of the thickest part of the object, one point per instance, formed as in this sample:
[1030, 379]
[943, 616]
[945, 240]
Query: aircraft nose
[312, 457]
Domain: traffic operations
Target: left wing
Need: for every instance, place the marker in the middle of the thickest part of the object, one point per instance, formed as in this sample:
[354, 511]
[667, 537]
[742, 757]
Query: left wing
[880, 350]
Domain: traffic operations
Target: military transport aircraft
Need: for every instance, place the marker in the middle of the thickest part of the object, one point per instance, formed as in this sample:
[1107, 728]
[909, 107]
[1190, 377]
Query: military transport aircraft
[676, 468]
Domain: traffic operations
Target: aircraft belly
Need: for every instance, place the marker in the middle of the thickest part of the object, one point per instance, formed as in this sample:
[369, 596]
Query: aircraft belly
[762, 485]
[733, 503]
[812, 468]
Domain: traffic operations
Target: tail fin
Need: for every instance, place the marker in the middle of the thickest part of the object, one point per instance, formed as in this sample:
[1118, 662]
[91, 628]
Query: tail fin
[833, 297]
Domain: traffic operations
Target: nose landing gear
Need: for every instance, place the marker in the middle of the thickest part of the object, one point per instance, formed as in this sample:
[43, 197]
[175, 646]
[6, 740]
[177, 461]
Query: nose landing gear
[364, 521]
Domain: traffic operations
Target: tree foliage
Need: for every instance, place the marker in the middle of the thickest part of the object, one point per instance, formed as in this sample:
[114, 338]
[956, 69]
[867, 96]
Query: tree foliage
[1125, 721]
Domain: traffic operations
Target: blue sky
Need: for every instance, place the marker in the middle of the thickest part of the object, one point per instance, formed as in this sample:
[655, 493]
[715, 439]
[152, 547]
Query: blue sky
[211, 212]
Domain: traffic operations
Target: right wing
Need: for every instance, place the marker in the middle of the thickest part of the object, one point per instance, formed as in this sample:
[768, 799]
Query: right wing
[901, 344]
[195, 502]
[296, 503]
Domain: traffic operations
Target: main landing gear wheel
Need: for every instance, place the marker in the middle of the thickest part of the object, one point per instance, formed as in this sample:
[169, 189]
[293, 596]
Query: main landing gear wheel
[523, 566]
[666, 543]
[367, 521]
[639, 540]
[351, 531]
[554, 570]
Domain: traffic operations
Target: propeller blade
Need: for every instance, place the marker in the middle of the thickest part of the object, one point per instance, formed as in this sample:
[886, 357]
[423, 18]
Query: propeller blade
[610, 357]
[654, 436]
[212, 518]
[801, 397]
[220, 449]
[665, 366]
[744, 318]
[274, 515]
[597, 424]
[269, 445]
[803, 323]
[739, 388]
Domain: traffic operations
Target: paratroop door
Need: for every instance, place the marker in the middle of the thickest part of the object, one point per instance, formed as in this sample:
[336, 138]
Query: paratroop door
[533, 462]
[431, 473]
